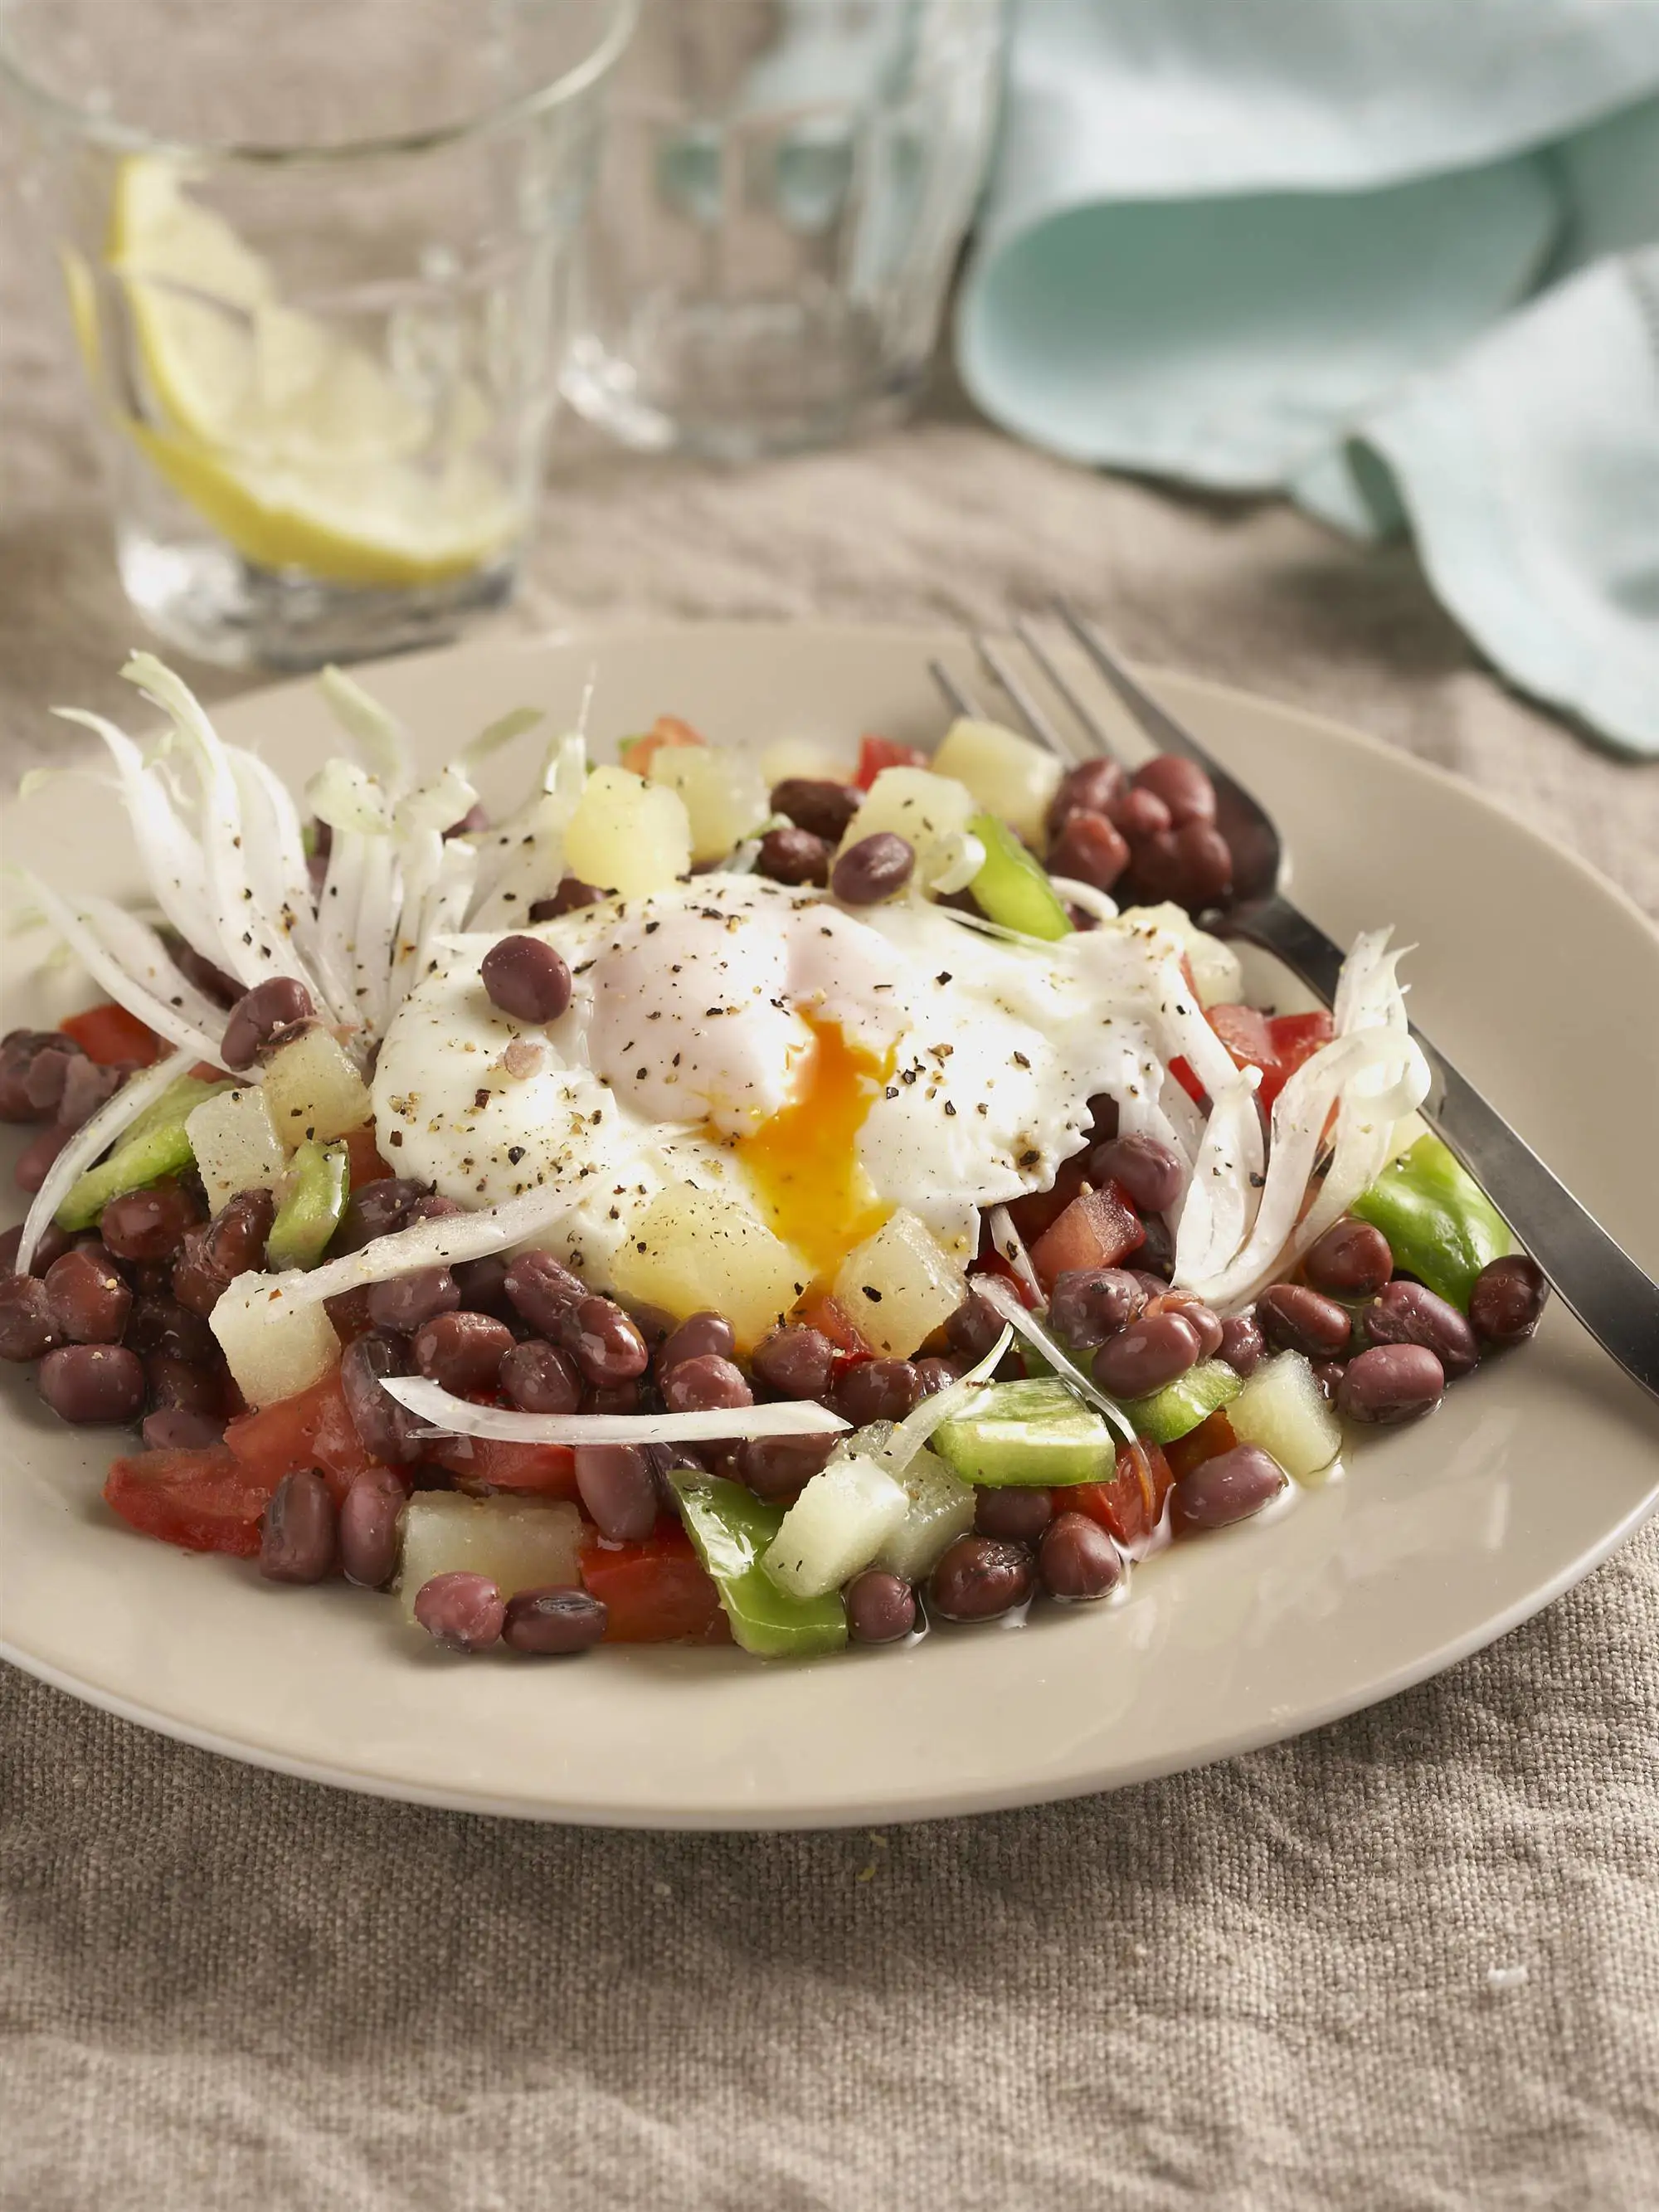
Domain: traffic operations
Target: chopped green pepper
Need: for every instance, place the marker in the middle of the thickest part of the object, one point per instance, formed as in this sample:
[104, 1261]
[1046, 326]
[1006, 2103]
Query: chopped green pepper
[731, 1528]
[1011, 888]
[1440, 1225]
[1035, 1432]
[1180, 1407]
[156, 1144]
[319, 1184]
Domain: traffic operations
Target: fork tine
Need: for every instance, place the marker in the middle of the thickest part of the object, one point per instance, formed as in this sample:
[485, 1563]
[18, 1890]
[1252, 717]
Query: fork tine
[956, 694]
[1042, 725]
[1165, 733]
[1068, 691]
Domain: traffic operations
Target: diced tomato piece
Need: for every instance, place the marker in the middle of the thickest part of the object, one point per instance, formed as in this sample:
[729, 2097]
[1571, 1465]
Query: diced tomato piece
[1098, 1230]
[1297, 1037]
[1245, 1032]
[657, 1592]
[637, 755]
[311, 1429]
[1037, 1210]
[819, 1310]
[877, 753]
[113, 1038]
[206, 1501]
[1131, 1505]
[366, 1164]
[1207, 1441]
[493, 1463]
[1182, 1068]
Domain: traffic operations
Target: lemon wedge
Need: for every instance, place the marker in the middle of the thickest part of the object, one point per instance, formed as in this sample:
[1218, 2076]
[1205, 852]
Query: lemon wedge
[292, 441]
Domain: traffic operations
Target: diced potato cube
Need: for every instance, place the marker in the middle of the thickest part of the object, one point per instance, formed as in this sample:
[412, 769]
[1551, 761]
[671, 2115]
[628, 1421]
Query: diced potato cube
[939, 1508]
[810, 757]
[628, 835]
[899, 1286]
[725, 799]
[1218, 972]
[1283, 1409]
[235, 1145]
[274, 1346]
[313, 1093]
[837, 1525]
[518, 1545]
[924, 809]
[1008, 775]
[691, 1249]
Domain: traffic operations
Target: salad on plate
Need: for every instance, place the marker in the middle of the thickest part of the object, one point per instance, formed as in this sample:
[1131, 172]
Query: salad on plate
[792, 1199]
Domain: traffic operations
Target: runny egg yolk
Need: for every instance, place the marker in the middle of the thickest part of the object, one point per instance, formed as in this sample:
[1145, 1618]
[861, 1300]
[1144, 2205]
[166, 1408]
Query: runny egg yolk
[804, 1162]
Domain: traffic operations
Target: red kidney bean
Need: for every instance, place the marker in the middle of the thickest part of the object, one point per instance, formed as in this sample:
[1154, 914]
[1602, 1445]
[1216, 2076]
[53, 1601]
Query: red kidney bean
[794, 856]
[973, 1329]
[462, 1612]
[232, 1244]
[51, 1245]
[1296, 1319]
[24, 1073]
[482, 1286]
[1508, 1299]
[1182, 785]
[777, 1467]
[1145, 1167]
[1207, 1324]
[824, 809]
[1328, 1374]
[29, 1328]
[1205, 862]
[878, 1391]
[1140, 814]
[434, 1207]
[698, 1333]
[1091, 788]
[1089, 850]
[873, 870]
[213, 982]
[539, 1378]
[618, 1489]
[572, 894]
[978, 1577]
[1152, 1352]
[174, 1428]
[543, 1292]
[92, 1382]
[527, 978]
[1155, 1259]
[1017, 1516]
[1391, 1382]
[298, 1534]
[1352, 1260]
[1229, 1487]
[86, 1088]
[1155, 871]
[881, 1608]
[462, 1352]
[88, 1296]
[385, 1430]
[612, 1398]
[404, 1302]
[371, 1528]
[935, 1375]
[1102, 1117]
[603, 1342]
[1241, 1343]
[1077, 1560]
[48, 1072]
[160, 1323]
[374, 1209]
[261, 1015]
[1088, 1305]
[1410, 1313]
[707, 1384]
[794, 1363]
[34, 1161]
[553, 1623]
[149, 1225]
[180, 1386]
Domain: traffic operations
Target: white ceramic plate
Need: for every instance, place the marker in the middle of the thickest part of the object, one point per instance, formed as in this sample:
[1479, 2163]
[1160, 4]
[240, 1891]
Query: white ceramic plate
[1529, 968]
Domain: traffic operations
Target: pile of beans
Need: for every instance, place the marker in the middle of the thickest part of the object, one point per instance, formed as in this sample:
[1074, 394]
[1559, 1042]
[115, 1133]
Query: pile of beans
[1150, 836]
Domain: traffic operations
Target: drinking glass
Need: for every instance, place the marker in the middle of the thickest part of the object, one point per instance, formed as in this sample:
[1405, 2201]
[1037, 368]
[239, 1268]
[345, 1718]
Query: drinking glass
[317, 258]
[785, 187]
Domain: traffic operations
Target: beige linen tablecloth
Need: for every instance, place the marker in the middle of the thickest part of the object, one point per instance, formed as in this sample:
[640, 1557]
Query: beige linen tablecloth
[1268, 1984]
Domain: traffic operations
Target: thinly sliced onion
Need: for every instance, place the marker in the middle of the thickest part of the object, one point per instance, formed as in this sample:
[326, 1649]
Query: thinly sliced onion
[347, 797]
[1220, 1206]
[441, 1243]
[906, 1440]
[1012, 1245]
[1086, 895]
[167, 846]
[957, 859]
[377, 734]
[277, 860]
[91, 1141]
[79, 926]
[502, 732]
[995, 1292]
[452, 1416]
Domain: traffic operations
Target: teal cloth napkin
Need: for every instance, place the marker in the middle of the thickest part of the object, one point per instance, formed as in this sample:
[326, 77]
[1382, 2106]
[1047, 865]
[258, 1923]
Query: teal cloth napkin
[1397, 258]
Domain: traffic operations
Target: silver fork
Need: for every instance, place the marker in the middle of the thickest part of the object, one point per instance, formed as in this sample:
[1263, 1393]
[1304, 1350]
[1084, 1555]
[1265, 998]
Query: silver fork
[1591, 1275]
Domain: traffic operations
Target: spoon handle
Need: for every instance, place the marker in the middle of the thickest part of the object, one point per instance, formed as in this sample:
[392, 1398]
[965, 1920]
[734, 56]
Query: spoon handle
[1591, 1275]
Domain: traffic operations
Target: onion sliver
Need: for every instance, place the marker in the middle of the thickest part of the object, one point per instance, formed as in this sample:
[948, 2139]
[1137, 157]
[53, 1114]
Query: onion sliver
[441, 1243]
[914, 1430]
[793, 1416]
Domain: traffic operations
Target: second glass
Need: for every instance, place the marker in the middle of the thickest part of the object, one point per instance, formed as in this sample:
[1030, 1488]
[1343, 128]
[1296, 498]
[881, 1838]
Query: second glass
[785, 187]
